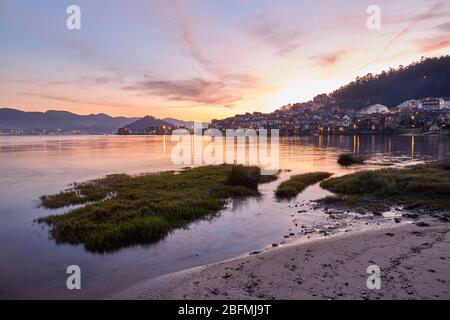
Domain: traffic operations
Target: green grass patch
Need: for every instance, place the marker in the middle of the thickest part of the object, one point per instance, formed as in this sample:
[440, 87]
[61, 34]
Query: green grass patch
[338, 200]
[297, 183]
[122, 210]
[81, 193]
[425, 185]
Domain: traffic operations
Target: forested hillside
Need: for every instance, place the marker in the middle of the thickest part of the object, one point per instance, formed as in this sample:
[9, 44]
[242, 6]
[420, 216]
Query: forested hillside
[426, 78]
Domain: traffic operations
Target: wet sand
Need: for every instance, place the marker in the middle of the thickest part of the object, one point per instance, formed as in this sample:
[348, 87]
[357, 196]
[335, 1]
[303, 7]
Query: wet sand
[414, 262]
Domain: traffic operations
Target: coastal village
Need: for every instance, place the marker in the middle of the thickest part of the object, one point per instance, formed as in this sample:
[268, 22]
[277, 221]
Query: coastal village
[322, 116]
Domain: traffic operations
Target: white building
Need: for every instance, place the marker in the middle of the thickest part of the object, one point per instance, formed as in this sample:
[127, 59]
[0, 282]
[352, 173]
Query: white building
[407, 105]
[445, 103]
[431, 104]
[376, 108]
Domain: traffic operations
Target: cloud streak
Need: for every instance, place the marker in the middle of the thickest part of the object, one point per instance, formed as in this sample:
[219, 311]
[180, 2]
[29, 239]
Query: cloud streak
[194, 90]
[275, 34]
[445, 27]
[329, 59]
[74, 100]
[187, 32]
[435, 45]
[436, 11]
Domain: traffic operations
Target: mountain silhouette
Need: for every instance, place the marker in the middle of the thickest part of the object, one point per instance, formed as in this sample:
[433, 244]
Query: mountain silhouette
[62, 120]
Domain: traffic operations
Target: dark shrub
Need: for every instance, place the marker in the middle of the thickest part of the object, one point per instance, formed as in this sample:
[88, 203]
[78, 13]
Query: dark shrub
[348, 159]
[247, 177]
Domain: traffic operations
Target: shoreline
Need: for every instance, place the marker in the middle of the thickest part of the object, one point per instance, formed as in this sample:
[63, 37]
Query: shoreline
[414, 264]
[349, 134]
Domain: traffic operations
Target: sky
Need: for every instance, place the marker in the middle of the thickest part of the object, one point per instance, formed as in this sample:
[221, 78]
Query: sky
[203, 59]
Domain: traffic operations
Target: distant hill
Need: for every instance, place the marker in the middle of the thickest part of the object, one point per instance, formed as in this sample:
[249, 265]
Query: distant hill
[185, 124]
[54, 120]
[178, 123]
[426, 78]
[140, 125]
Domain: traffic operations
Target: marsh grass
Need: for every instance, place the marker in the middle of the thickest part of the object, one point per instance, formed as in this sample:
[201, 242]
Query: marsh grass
[248, 177]
[123, 210]
[80, 193]
[424, 185]
[297, 183]
[341, 199]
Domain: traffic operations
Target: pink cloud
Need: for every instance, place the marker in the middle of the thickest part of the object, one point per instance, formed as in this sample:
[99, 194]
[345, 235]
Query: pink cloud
[329, 59]
[193, 90]
[435, 45]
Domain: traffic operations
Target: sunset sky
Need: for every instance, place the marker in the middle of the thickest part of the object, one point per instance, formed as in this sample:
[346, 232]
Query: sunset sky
[203, 59]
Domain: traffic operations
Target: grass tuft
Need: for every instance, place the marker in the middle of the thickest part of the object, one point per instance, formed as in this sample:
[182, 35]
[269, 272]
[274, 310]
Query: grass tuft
[297, 183]
[244, 177]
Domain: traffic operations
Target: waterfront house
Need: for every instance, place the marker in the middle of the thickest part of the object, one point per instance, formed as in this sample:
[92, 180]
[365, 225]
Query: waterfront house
[406, 106]
[430, 104]
[124, 132]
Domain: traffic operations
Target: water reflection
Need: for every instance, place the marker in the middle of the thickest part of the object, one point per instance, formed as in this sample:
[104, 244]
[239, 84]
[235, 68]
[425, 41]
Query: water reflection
[33, 266]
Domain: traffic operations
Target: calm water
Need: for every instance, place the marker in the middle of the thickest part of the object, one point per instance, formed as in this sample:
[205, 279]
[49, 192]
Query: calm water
[33, 266]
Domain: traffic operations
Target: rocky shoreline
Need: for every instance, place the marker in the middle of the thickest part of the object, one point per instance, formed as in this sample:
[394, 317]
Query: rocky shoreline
[414, 262]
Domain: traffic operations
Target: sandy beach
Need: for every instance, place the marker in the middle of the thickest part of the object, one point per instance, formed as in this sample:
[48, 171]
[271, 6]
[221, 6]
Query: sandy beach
[414, 262]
